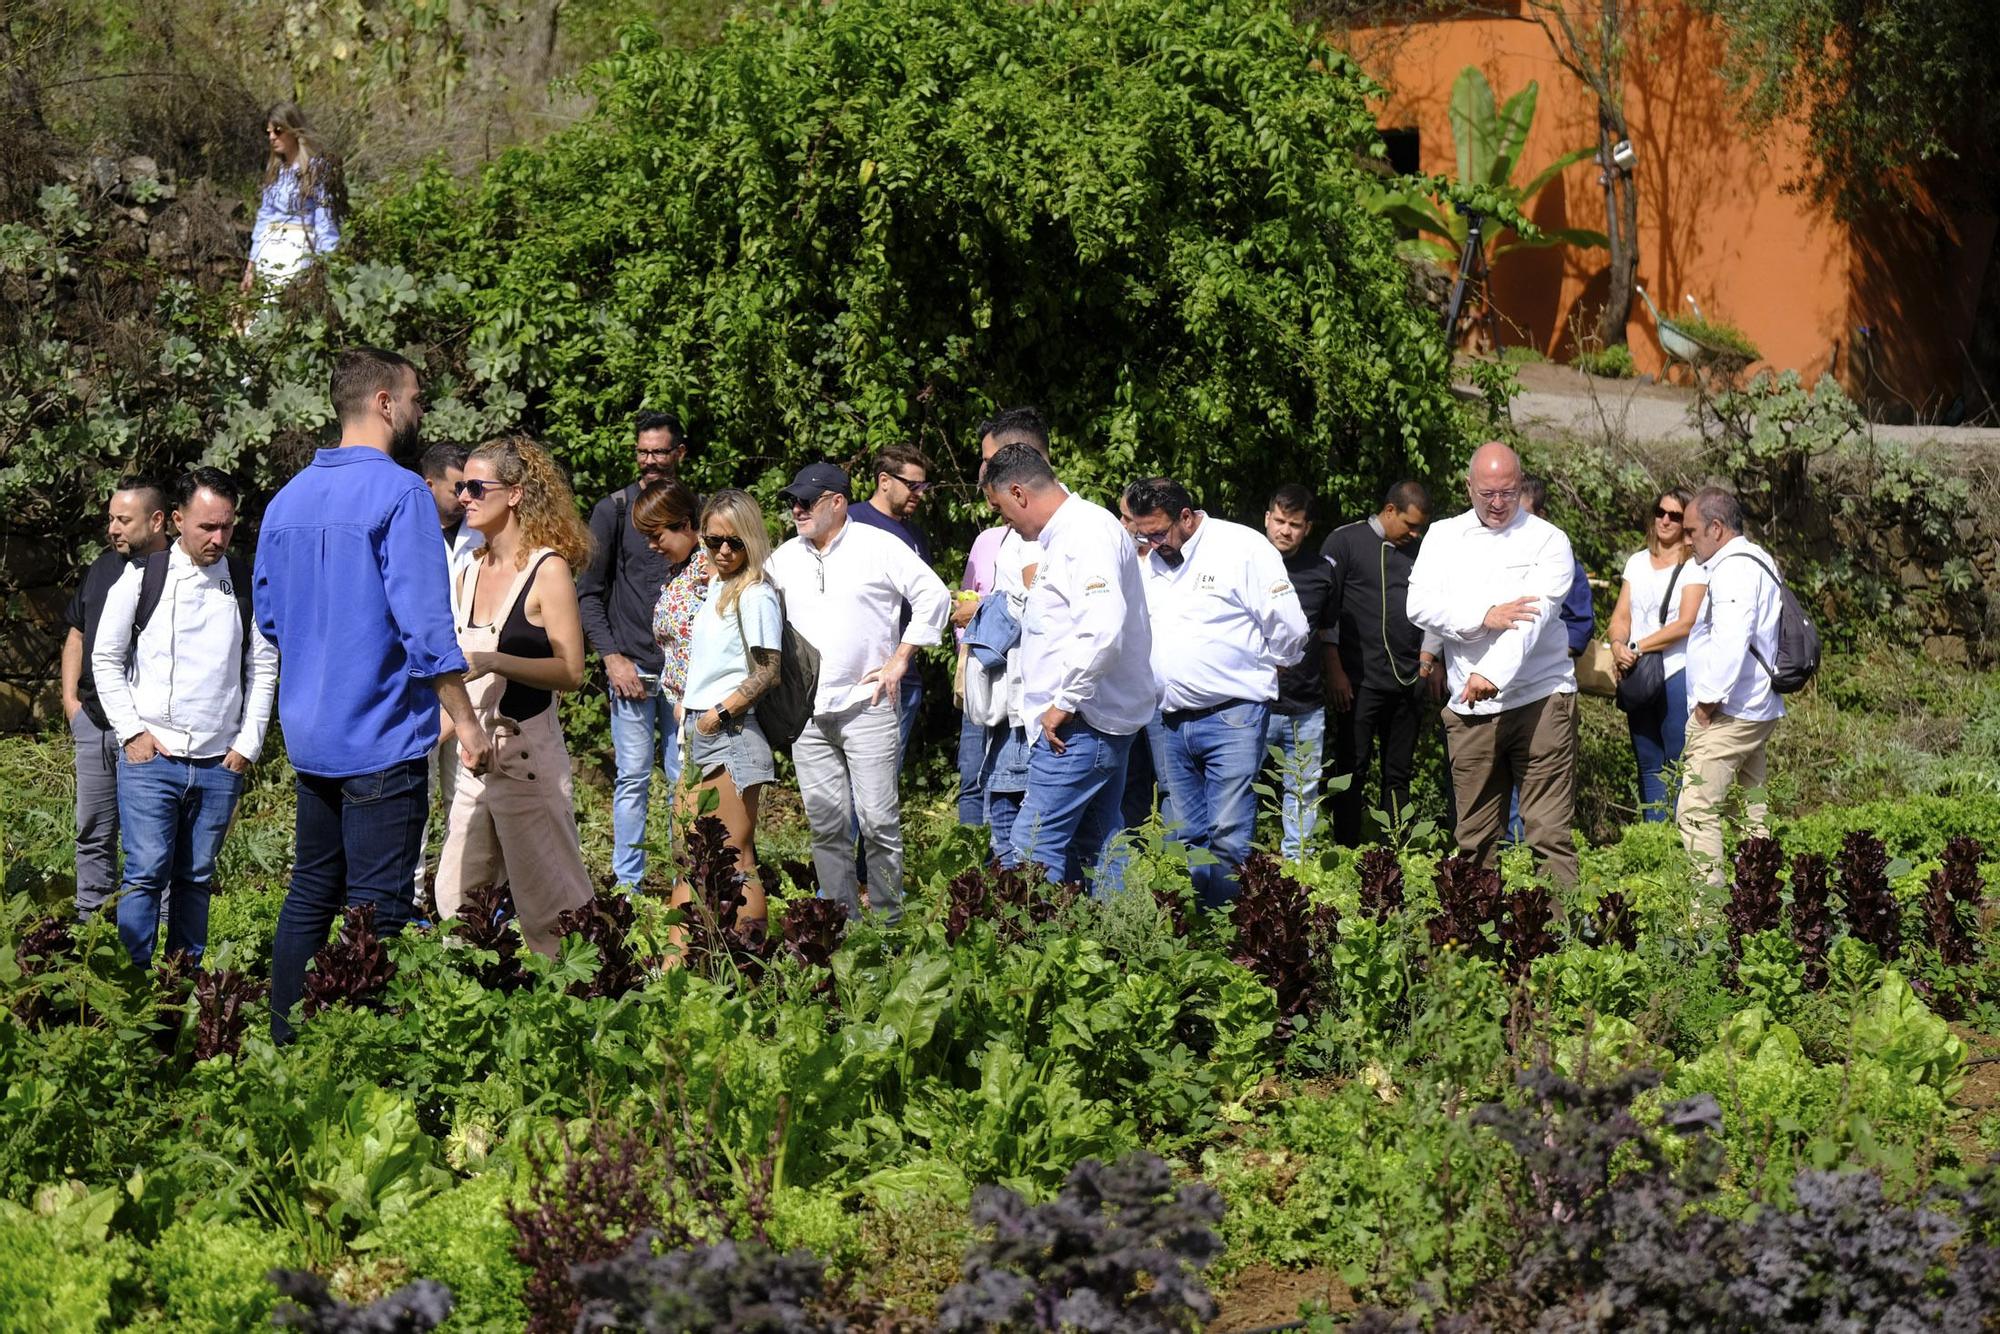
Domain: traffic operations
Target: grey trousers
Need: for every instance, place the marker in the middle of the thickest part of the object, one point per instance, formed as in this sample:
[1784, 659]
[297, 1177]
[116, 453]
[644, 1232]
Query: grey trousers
[857, 751]
[96, 814]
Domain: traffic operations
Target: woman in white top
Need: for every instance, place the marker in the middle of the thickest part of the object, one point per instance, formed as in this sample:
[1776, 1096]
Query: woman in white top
[304, 196]
[732, 660]
[1657, 603]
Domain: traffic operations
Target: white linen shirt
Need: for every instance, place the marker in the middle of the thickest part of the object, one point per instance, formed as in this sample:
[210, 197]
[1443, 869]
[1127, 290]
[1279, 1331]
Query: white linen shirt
[1086, 639]
[1224, 620]
[1741, 610]
[186, 683]
[462, 548]
[1465, 569]
[846, 601]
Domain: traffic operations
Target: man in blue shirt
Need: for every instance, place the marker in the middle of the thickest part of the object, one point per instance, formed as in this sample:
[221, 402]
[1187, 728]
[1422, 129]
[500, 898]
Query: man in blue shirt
[350, 588]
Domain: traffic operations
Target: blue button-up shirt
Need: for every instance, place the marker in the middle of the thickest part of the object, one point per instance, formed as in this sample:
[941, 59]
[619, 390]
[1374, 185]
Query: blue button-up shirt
[350, 588]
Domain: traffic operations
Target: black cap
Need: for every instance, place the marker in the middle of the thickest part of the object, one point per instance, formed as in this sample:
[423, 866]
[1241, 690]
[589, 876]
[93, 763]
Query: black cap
[815, 480]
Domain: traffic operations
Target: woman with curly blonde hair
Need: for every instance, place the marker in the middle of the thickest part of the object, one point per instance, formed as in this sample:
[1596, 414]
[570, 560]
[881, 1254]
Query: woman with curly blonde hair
[303, 200]
[515, 609]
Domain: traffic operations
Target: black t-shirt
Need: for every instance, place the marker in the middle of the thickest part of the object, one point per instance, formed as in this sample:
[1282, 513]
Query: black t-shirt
[85, 606]
[616, 592]
[1370, 605]
[1302, 686]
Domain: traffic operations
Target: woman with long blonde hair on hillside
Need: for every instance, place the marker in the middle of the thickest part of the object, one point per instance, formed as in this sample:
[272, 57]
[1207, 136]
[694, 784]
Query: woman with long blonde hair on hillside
[732, 660]
[303, 200]
[515, 609]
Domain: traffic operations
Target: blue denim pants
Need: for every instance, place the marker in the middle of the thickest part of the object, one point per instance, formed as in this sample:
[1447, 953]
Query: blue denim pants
[174, 814]
[974, 740]
[356, 838]
[1212, 758]
[1659, 736]
[1301, 740]
[1071, 808]
[640, 730]
[1005, 779]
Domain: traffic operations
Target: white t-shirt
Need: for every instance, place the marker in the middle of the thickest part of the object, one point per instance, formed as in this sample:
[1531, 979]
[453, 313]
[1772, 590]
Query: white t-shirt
[717, 662]
[1649, 589]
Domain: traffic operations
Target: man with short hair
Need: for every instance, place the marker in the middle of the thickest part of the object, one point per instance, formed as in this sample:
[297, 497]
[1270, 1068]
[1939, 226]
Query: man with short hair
[135, 526]
[1297, 725]
[615, 597]
[187, 682]
[1732, 707]
[443, 469]
[1086, 648]
[1385, 670]
[1490, 582]
[1144, 792]
[844, 585]
[351, 590]
[1226, 620]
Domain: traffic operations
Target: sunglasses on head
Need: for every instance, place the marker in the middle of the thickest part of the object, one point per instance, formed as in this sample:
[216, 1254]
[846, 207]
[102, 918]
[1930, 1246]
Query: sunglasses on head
[717, 541]
[679, 526]
[1662, 512]
[476, 487]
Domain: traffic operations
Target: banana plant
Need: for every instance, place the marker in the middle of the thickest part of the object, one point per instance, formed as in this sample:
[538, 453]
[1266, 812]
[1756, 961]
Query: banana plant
[1488, 137]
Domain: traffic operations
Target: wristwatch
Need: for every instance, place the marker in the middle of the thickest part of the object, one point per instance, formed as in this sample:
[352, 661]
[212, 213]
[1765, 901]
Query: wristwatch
[1425, 668]
[722, 716]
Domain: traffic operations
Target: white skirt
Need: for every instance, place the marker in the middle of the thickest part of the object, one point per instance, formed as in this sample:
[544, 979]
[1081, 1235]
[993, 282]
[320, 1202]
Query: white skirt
[287, 252]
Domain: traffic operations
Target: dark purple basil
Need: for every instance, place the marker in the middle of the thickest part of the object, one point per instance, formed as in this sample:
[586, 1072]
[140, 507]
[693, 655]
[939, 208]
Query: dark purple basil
[219, 999]
[1282, 936]
[1873, 914]
[1381, 873]
[1812, 917]
[352, 969]
[606, 922]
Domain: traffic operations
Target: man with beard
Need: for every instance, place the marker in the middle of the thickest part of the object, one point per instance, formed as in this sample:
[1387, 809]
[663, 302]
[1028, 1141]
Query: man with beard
[350, 588]
[136, 525]
[615, 598]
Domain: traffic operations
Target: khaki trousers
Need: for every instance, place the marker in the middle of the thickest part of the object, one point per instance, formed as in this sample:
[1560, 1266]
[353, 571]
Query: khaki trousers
[1533, 746]
[1726, 751]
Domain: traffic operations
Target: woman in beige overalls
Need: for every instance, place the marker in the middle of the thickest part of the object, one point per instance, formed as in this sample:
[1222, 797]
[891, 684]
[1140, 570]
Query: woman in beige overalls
[515, 610]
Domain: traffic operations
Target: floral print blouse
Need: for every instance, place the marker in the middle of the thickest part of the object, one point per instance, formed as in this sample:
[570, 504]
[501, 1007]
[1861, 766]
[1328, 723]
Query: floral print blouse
[673, 620]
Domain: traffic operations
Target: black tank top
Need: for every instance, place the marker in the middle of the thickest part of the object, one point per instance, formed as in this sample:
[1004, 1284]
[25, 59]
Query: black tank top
[524, 639]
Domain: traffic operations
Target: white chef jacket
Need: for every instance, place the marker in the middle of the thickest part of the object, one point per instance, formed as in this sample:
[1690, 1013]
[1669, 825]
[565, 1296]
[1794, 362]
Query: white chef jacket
[462, 548]
[186, 683]
[1224, 620]
[1086, 640]
[1742, 609]
[1463, 570]
[846, 602]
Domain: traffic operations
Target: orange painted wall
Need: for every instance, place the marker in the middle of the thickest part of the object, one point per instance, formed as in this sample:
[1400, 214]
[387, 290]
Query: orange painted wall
[1715, 218]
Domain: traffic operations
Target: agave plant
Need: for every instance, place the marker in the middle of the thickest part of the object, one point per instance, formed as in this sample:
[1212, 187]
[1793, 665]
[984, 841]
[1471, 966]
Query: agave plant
[1488, 136]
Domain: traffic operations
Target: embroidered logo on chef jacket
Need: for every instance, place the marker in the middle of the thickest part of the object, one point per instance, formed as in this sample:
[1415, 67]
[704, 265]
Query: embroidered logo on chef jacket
[1205, 582]
[1096, 584]
[1282, 587]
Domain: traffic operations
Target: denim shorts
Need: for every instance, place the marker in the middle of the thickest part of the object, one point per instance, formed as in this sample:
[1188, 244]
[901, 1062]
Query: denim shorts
[740, 748]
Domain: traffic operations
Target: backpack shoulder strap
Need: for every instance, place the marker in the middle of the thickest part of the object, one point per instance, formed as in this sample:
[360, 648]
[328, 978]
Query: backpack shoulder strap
[152, 586]
[1668, 600]
[1769, 671]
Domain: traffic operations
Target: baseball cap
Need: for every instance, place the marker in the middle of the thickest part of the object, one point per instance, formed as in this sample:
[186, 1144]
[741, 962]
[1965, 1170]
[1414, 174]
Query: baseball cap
[815, 480]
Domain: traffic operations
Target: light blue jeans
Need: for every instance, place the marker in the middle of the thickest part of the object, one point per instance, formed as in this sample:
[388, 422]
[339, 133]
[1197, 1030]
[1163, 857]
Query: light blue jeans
[640, 730]
[1212, 759]
[1071, 809]
[174, 814]
[1302, 739]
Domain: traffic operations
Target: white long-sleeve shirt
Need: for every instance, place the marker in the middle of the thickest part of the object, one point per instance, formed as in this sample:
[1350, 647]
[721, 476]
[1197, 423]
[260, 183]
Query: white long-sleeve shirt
[1086, 640]
[846, 602]
[1742, 609]
[186, 682]
[1463, 570]
[1224, 620]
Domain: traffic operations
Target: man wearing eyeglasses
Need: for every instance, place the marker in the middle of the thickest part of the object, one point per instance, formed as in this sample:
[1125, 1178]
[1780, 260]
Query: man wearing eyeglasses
[1490, 583]
[1225, 620]
[845, 586]
[615, 598]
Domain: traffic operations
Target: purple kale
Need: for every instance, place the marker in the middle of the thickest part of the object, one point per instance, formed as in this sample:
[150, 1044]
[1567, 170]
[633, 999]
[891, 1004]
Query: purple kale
[423, 1305]
[744, 1288]
[585, 1208]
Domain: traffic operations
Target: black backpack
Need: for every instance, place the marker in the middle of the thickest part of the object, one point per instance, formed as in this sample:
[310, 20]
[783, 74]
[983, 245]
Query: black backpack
[153, 586]
[1797, 659]
[787, 706]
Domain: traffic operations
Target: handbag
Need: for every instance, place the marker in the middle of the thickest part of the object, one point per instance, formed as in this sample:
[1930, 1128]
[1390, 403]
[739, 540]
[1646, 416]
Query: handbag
[786, 706]
[1597, 670]
[1644, 683]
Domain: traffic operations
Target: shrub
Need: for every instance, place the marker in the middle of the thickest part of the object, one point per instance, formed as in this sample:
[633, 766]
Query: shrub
[216, 1275]
[1610, 363]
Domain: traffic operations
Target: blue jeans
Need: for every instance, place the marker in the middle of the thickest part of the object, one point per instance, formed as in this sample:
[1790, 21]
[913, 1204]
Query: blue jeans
[1659, 735]
[174, 814]
[1302, 739]
[1145, 777]
[1005, 778]
[1071, 808]
[1212, 758]
[640, 729]
[356, 839]
[909, 696]
[973, 741]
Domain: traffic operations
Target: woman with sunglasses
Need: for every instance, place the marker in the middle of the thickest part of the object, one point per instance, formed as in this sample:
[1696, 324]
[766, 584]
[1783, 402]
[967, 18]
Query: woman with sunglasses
[665, 514]
[515, 609]
[1662, 590]
[732, 661]
[298, 216]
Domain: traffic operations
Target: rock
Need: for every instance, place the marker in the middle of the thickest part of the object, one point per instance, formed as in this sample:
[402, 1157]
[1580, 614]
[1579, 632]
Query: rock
[17, 708]
[1947, 649]
[104, 174]
[1912, 575]
[139, 167]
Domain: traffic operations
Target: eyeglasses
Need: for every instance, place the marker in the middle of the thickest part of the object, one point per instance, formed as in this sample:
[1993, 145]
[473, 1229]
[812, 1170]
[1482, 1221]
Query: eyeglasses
[475, 487]
[658, 453]
[683, 526]
[1662, 512]
[916, 488]
[1490, 497]
[717, 541]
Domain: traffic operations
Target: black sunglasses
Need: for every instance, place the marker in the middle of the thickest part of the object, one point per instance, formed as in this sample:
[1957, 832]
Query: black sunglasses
[717, 541]
[681, 527]
[476, 487]
[1662, 512]
[916, 488]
